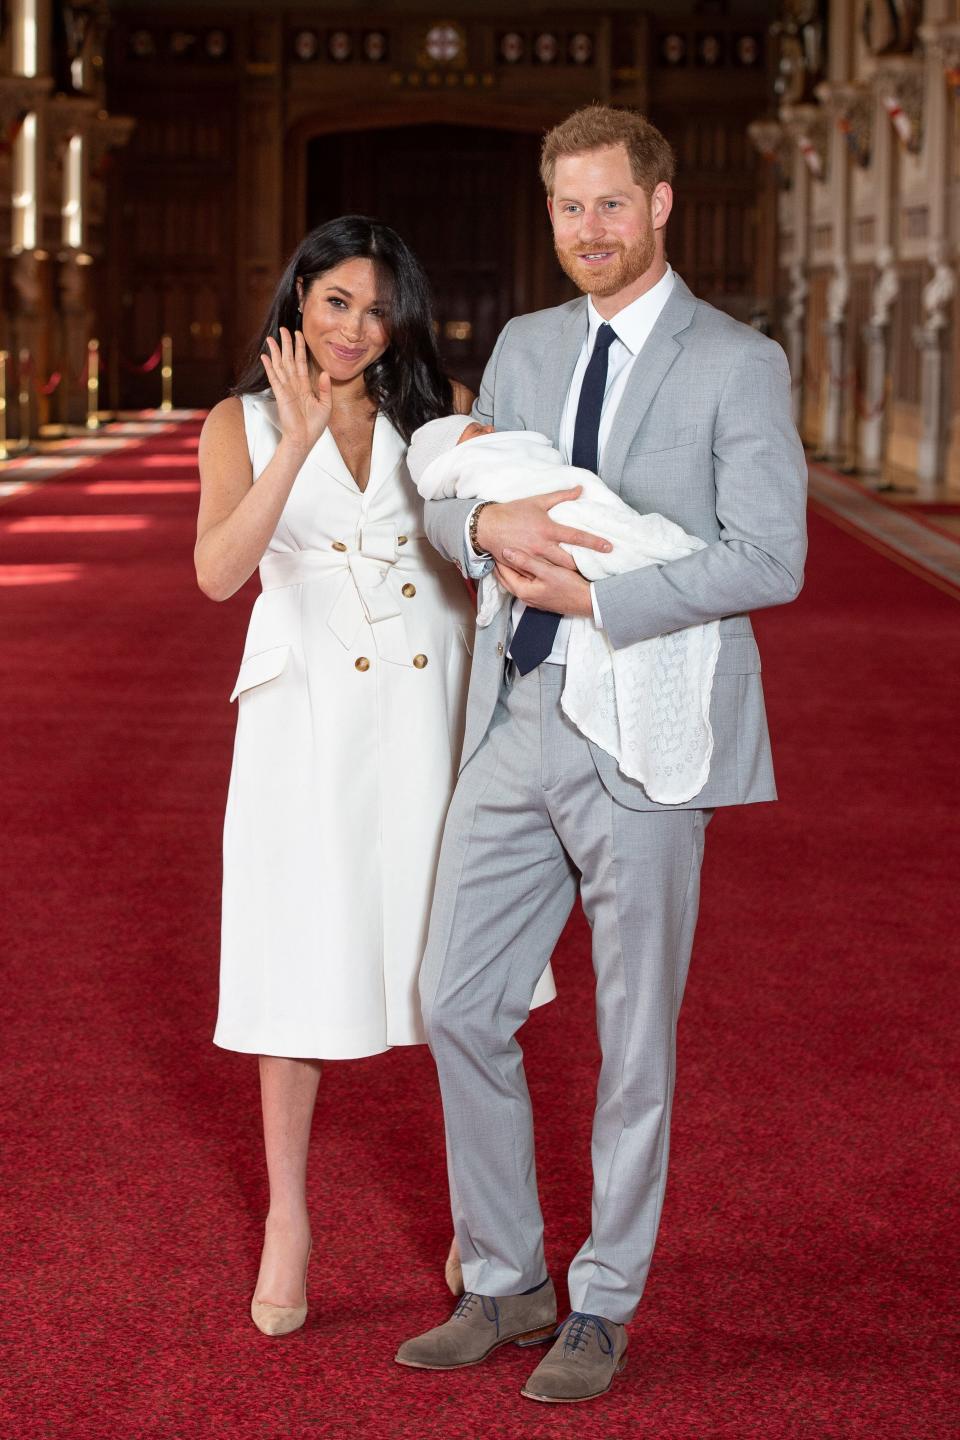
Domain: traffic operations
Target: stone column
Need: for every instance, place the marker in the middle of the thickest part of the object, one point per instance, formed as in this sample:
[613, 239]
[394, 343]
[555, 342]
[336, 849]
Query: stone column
[929, 336]
[876, 338]
[835, 329]
[794, 325]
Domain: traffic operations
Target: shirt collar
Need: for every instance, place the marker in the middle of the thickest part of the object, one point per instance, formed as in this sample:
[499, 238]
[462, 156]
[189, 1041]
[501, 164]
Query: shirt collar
[633, 323]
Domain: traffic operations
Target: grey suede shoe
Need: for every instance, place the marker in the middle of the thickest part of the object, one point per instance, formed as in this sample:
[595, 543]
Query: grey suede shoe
[581, 1365]
[480, 1324]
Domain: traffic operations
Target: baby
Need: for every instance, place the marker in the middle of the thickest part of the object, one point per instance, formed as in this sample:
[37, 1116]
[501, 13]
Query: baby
[647, 704]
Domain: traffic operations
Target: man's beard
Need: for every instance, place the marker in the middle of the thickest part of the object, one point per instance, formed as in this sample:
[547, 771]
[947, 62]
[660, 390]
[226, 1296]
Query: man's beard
[626, 265]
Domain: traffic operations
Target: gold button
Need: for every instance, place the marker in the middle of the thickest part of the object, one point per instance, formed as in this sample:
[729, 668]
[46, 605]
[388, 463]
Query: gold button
[419, 661]
[339, 545]
[499, 648]
[401, 539]
[409, 591]
[362, 663]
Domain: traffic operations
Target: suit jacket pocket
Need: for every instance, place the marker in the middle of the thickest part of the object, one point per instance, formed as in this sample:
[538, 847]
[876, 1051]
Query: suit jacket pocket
[656, 443]
[259, 668]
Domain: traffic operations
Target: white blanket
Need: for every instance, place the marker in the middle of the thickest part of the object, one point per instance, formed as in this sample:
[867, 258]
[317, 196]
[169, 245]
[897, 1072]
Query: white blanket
[647, 705]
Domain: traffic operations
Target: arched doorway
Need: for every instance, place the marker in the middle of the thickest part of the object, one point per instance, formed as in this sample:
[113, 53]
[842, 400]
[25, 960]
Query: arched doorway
[468, 199]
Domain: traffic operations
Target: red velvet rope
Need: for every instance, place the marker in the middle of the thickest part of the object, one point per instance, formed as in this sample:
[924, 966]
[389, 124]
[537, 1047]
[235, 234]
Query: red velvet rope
[147, 365]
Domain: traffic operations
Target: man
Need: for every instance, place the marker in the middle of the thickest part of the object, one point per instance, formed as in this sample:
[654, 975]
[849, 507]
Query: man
[680, 410]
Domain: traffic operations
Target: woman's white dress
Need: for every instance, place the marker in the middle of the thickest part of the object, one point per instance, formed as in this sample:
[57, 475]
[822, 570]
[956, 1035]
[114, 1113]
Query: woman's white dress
[351, 699]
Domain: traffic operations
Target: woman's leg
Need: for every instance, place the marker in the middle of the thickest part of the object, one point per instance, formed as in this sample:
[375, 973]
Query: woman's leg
[288, 1091]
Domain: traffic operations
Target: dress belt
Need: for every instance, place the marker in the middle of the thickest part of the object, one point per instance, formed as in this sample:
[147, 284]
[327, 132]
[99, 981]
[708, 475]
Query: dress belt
[372, 569]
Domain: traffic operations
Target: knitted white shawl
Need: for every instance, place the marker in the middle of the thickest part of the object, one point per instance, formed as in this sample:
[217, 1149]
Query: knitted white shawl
[647, 705]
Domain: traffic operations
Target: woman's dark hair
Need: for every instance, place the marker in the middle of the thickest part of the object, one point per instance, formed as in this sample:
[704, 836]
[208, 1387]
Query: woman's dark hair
[407, 382]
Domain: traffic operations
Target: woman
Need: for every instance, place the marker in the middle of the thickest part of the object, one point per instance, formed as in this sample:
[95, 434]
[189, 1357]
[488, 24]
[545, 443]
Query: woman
[351, 693]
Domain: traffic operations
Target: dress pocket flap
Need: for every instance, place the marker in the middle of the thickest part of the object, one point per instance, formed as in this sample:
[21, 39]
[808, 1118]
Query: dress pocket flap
[738, 655]
[257, 669]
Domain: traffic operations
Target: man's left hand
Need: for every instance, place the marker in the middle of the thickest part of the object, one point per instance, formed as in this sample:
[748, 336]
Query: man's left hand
[544, 585]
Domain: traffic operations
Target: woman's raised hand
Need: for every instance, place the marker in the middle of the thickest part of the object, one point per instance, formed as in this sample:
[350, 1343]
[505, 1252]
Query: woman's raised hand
[303, 407]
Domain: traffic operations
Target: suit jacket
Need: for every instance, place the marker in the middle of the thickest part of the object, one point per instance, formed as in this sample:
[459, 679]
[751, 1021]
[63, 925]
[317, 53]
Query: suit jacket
[704, 435]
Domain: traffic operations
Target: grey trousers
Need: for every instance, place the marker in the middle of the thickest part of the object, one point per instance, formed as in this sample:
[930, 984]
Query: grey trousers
[528, 814]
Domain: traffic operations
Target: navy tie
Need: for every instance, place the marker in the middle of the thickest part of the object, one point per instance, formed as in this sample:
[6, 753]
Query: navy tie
[534, 636]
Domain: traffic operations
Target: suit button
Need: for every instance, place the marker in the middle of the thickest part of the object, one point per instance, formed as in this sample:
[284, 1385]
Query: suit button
[362, 663]
[401, 539]
[409, 591]
[339, 545]
[499, 648]
[420, 661]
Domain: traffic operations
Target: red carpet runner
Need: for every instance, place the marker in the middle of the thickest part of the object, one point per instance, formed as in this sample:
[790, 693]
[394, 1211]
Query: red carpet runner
[802, 1285]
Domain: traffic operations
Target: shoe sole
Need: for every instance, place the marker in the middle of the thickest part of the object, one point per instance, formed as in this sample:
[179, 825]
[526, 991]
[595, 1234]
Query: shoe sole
[575, 1399]
[527, 1337]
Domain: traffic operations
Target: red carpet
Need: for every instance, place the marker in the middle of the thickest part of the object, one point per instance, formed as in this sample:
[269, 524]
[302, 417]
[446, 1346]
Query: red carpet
[805, 1281]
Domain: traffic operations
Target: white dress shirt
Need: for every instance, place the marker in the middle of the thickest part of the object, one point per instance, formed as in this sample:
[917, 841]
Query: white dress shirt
[631, 326]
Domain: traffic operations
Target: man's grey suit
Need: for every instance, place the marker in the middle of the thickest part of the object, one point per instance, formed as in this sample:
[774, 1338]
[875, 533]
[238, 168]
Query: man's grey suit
[703, 434]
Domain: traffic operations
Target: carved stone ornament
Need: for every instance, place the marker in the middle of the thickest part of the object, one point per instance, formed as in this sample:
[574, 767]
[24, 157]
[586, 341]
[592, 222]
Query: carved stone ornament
[851, 108]
[938, 292]
[767, 137]
[886, 288]
[943, 41]
[807, 127]
[108, 132]
[900, 86]
[67, 115]
[19, 94]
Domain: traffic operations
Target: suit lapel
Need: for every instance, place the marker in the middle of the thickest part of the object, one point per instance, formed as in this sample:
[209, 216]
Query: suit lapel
[645, 379]
[557, 372]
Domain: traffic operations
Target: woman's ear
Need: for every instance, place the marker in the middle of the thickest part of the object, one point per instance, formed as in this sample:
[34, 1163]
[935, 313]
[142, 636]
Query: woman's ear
[300, 294]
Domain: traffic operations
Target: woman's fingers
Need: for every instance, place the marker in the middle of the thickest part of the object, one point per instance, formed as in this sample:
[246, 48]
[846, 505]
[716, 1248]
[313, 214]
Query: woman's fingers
[300, 361]
[286, 347]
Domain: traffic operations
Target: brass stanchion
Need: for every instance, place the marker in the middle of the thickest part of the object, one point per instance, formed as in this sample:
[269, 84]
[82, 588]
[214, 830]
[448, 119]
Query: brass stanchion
[5, 451]
[93, 385]
[23, 397]
[166, 372]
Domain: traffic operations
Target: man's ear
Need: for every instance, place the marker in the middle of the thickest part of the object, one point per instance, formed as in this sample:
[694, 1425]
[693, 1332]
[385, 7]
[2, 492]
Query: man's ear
[550, 207]
[661, 203]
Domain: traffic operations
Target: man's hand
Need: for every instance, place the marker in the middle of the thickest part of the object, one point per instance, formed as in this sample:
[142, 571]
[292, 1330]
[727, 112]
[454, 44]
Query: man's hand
[525, 525]
[545, 585]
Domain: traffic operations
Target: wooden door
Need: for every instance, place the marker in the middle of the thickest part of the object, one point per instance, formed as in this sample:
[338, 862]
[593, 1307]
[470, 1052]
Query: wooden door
[470, 204]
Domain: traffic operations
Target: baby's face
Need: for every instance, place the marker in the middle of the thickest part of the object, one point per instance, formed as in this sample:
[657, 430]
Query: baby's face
[473, 430]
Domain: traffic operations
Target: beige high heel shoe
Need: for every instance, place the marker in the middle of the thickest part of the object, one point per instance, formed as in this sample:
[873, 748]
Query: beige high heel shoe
[452, 1271]
[280, 1319]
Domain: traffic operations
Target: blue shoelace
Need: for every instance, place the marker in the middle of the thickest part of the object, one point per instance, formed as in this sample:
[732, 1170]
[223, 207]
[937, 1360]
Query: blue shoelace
[578, 1327]
[491, 1309]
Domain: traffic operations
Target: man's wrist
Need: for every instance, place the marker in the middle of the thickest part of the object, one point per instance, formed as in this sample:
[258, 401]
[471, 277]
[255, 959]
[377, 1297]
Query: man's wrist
[477, 529]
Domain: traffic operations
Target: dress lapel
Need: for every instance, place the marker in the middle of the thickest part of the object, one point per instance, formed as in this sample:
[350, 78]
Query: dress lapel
[389, 449]
[557, 372]
[646, 377]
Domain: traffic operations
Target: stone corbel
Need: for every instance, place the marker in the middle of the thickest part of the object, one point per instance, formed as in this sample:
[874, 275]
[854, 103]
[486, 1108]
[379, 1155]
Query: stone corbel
[943, 42]
[850, 108]
[106, 133]
[768, 138]
[807, 127]
[68, 115]
[19, 94]
[899, 83]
